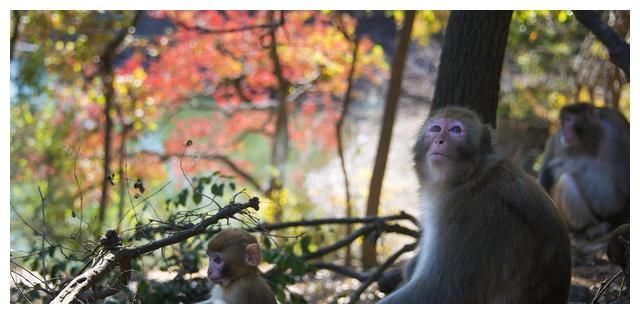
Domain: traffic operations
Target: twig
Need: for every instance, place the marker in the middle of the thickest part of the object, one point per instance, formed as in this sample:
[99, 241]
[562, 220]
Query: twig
[118, 255]
[43, 235]
[327, 221]
[605, 287]
[75, 176]
[208, 31]
[356, 294]
[346, 102]
[346, 271]
[15, 283]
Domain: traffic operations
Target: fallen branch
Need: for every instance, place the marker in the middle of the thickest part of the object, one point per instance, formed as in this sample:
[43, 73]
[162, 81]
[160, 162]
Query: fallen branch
[115, 255]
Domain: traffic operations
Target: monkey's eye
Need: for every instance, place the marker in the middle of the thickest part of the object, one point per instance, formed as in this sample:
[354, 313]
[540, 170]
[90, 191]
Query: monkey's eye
[216, 259]
[435, 128]
[456, 129]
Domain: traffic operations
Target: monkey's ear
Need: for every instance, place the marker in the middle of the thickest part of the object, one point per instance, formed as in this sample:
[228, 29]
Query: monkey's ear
[253, 255]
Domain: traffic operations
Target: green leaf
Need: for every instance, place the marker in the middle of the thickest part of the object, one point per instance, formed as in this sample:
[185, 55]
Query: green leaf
[182, 198]
[304, 244]
[197, 197]
[217, 189]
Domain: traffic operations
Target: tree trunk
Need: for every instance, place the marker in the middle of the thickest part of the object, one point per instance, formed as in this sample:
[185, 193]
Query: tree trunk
[345, 110]
[471, 62]
[107, 73]
[122, 178]
[388, 119]
[15, 30]
[280, 149]
[108, 136]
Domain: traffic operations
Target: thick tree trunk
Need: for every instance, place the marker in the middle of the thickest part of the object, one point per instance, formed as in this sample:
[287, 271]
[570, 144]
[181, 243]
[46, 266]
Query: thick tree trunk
[471, 61]
[388, 119]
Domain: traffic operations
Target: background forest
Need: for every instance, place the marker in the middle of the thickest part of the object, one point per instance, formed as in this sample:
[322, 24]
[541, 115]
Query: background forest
[143, 128]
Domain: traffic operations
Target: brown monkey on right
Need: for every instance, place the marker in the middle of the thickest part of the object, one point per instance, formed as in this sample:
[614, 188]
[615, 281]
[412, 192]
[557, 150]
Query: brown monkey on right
[586, 166]
[490, 234]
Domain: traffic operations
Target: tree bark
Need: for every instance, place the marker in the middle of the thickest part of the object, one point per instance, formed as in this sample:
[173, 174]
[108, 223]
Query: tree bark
[619, 50]
[388, 120]
[280, 149]
[107, 73]
[345, 110]
[471, 62]
[15, 30]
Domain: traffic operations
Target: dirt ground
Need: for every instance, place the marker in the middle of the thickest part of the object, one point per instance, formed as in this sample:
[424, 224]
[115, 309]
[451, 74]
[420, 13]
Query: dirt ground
[591, 270]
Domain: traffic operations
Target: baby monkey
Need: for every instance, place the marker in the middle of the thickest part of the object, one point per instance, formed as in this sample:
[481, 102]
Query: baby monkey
[234, 256]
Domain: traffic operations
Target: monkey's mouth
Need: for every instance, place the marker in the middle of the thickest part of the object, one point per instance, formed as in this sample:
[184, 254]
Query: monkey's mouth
[216, 279]
[437, 155]
[222, 280]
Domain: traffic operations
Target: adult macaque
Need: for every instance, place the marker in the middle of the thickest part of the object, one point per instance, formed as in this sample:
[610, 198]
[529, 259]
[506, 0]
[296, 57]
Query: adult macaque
[586, 166]
[234, 256]
[490, 234]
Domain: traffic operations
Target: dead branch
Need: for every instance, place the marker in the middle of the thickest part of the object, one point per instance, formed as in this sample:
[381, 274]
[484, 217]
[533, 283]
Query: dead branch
[606, 285]
[328, 221]
[619, 50]
[342, 270]
[356, 294]
[209, 31]
[117, 255]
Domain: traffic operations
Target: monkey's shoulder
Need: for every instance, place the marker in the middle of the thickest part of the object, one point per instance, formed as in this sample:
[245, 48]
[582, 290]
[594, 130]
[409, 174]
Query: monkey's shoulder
[501, 185]
[254, 290]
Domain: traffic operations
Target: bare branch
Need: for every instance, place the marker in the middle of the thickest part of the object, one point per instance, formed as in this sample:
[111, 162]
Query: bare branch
[346, 271]
[356, 294]
[222, 158]
[209, 31]
[118, 255]
[619, 50]
[327, 221]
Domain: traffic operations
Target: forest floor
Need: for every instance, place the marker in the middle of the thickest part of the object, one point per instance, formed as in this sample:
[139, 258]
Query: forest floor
[590, 271]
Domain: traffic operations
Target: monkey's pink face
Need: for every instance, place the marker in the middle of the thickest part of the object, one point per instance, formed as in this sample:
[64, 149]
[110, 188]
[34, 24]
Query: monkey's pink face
[216, 270]
[444, 137]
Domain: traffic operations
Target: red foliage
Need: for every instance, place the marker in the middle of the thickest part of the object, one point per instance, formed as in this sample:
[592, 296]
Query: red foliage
[235, 69]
